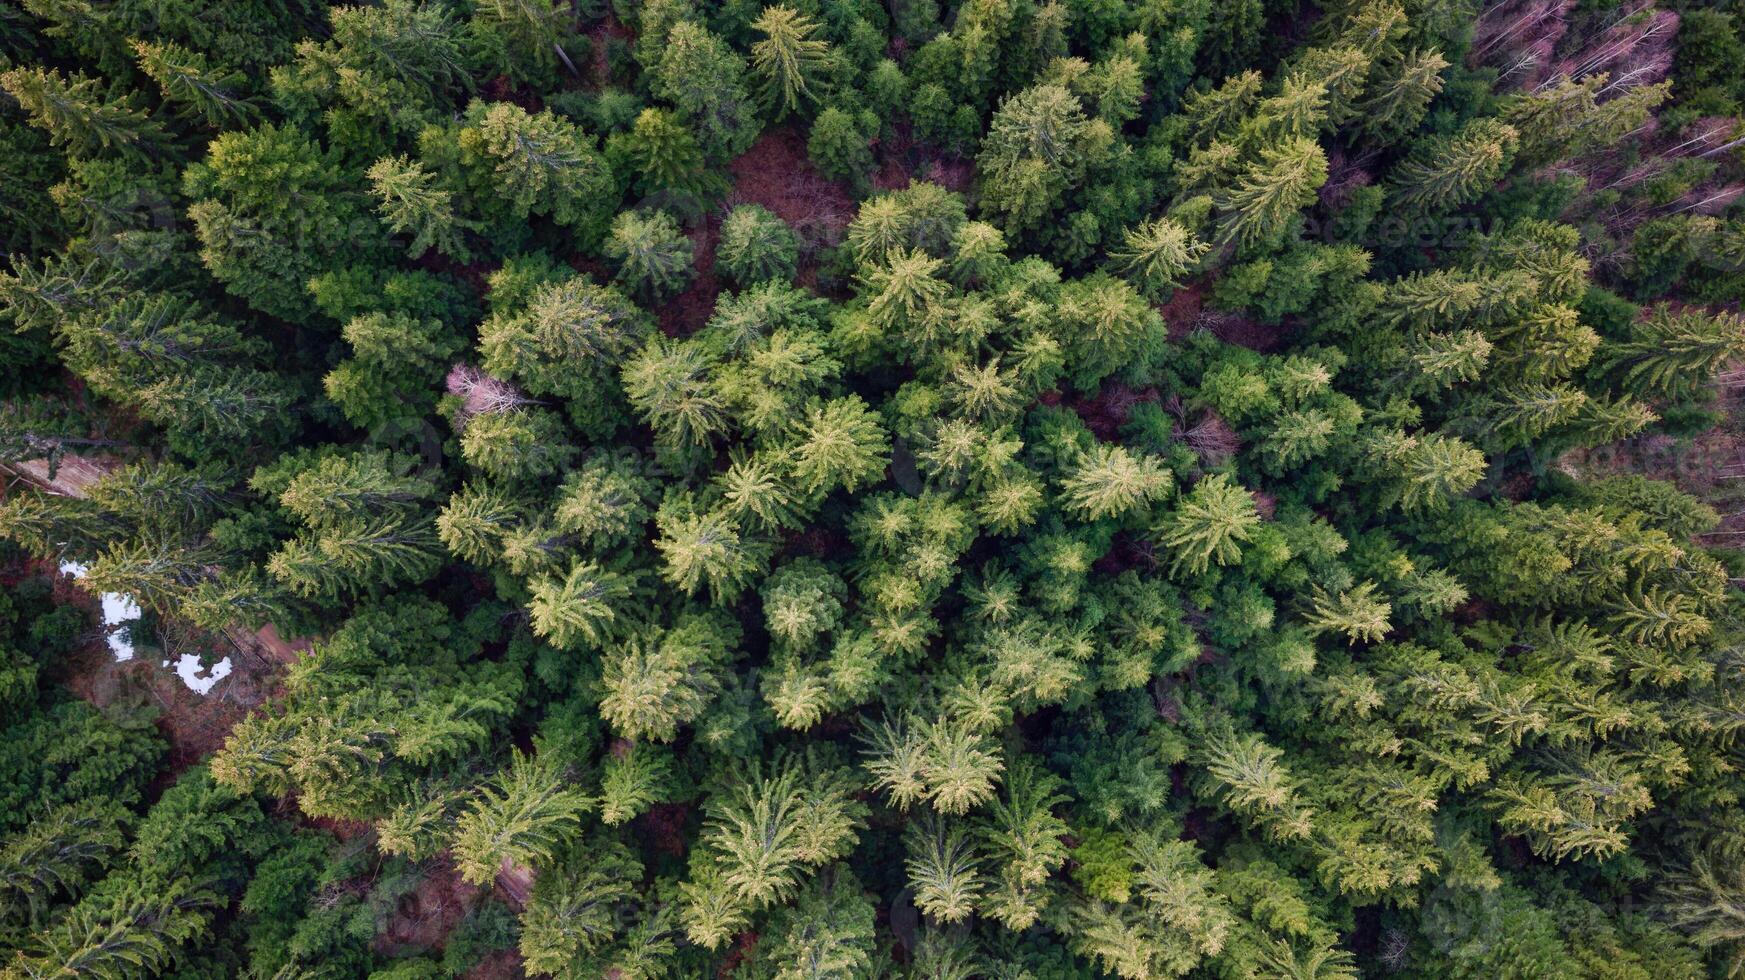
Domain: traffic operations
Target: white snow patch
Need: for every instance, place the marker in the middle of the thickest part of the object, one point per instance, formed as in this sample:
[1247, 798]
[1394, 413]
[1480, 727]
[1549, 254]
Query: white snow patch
[198, 678]
[117, 609]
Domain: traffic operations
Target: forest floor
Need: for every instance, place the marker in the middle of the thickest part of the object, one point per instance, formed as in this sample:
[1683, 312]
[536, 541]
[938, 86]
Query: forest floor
[777, 174]
[1709, 466]
[195, 723]
[1186, 310]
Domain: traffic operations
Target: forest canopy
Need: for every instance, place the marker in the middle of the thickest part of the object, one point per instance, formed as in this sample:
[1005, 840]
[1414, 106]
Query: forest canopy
[939, 489]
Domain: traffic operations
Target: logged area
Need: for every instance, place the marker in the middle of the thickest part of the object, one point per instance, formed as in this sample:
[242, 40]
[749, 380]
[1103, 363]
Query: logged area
[848, 489]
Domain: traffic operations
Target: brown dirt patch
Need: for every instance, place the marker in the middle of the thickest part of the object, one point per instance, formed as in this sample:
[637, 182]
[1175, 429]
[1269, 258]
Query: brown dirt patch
[777, 173]
[502, 964]
[902, 161]
[1233, 328]
[1109, 409]
[599, 73]
[426, 915]
[501, 89]
[476, 275]
[1186, 311]
[663, 827]
[1709, 466]
[687, 312]
[1182, 310]
[195, 725]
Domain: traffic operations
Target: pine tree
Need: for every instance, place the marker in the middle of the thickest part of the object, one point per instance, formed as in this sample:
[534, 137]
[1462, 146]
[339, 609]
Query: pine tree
[1109, 481]
[1039, 146]
[581, 608]
[904, 290]
[576, 908]
[388, 71]
[756, 245]
[56, 855]
[1703, 899]
[1270, 192]
[273, 210]
[1298, 111]
[1358, 613]
[665, 156]
[635, 777]
[944, 763]
[1156, 253]
[140, 931]
[366, 528]
[521, 443]
[1215, 112]
[77, 114]
[412, 203]
[942, 865]
[656, 683]
[669, 385]
[1246, 775]
[190, 82]
[653, 256]
[1450, 171]
[532, 31]
[1178, 921]
[841, 147]
[525, 815]
[764, 831]
[1432, 469]
[788, 58]
[840, 445]
[605, 501]
[240, 406]
[1025, 843]
[705, 80]
[536, 164]
[705, 550]
[1209, 525]
[827, 933]
[1671, 353]
[1396, 103]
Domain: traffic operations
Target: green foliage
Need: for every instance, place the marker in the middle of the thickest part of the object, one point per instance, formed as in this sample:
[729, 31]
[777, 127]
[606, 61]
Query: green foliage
[788, 59]
[653, 256]
[1162, 489]
[756, 245]
[524, 816]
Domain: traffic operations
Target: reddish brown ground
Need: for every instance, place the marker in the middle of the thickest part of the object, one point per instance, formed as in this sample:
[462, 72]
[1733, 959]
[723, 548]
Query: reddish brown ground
[431, 911]
[345, 830]
[1709, 466]
[902, 160]
[1186, 311]
[1182, 311]
[476, 275]
[504, 964]
[777, 173]
[687, 312]
[598, 72]
[664, 827]
[1233, 328]
[195, 725]
[1110, 408]
[743, 944]
[501, 89]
